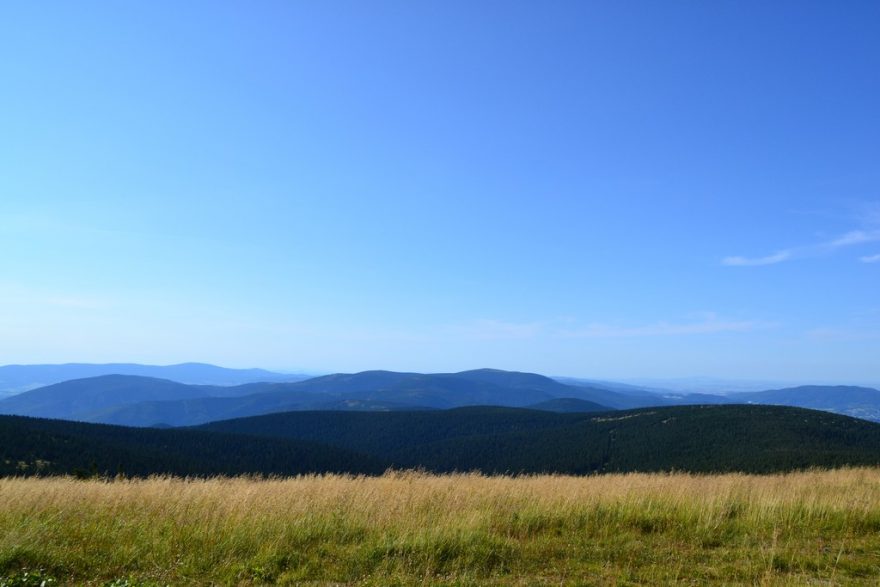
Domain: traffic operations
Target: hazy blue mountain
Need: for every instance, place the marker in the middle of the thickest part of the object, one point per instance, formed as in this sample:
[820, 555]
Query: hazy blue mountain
[606, 394]
[189, 412]
[79, 399]
[708, 385]
[139, 401]
[625, 388]
[513, 380]
[358, 405]
[860, 402]
[19, 378]
[369, 390]
[437, 390]
[696, 399]
[620, 398]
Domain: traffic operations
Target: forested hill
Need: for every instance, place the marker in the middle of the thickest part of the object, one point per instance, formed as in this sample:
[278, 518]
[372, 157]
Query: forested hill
[33, 446]
[746, 438]
[691, 438]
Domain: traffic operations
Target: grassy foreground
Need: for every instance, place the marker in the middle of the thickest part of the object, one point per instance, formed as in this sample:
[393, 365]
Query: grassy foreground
[408, 528]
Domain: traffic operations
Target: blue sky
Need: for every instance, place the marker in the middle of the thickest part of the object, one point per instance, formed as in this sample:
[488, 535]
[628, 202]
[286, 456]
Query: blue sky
[599, 189]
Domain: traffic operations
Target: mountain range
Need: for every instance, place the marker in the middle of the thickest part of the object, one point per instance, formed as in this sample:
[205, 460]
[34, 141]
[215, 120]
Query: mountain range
[140, 401]
[136, 400]
[18, 378]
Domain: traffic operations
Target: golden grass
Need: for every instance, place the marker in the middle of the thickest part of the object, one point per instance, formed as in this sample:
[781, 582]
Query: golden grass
[819, 527]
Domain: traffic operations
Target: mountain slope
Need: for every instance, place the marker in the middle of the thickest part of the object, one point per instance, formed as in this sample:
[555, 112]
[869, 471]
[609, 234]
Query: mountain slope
[198, 410]
[691, 438]
[705, 439]
[613, 395]
[745, 438]
[387, 433]
[567, 405]
[438, 390]
[81, 398]
[607, 395]
[30, 446]
[369, 390]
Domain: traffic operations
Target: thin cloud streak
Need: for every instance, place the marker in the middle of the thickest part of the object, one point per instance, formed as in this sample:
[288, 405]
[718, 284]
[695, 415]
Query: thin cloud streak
[747, 262]
[856, 237]
[870, 258]
[852, 238]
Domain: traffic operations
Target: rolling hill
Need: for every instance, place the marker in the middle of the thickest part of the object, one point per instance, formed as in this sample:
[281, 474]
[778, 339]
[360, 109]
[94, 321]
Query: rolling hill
[99, 400]
[508, 440]
[31, 446]
[748, 438]
[141, 401]
[19, 378]
[79, 399]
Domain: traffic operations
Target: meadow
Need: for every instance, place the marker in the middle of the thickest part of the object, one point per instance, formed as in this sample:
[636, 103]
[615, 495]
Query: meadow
[813, 527]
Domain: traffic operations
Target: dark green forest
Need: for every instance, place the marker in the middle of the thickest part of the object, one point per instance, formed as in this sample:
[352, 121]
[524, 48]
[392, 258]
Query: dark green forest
[33, 446]
[507, 440]
[758, 439]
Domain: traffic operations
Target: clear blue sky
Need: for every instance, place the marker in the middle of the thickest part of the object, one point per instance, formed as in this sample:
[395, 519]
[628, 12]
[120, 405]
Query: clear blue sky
[600, 189]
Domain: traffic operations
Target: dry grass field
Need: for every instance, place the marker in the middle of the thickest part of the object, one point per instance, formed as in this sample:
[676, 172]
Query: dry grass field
[816, 528]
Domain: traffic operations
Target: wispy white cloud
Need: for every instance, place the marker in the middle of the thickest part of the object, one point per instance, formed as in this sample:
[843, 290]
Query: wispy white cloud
[777, 257]
[855, 237]
[870, 258]
[852, 238]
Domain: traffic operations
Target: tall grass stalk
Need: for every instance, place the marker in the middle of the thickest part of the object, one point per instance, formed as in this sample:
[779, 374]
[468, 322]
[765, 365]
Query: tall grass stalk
[414, 528]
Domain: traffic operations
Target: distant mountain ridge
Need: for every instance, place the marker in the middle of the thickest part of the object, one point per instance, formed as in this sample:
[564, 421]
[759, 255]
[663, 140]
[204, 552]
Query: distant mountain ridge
[851, 400]
[19, 378]
[141, 401]
[80, 398]
[98, 399]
